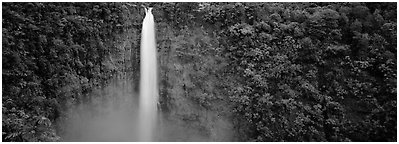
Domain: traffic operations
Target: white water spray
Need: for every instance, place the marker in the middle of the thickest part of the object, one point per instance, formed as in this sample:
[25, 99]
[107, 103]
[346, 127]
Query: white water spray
[148, 80]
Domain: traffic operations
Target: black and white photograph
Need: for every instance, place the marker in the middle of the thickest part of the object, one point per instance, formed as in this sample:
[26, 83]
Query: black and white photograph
[199, 71]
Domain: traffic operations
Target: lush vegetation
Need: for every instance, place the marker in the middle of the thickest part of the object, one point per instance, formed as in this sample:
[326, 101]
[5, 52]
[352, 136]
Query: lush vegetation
[278, 71]
[54, 54]
[312, 72]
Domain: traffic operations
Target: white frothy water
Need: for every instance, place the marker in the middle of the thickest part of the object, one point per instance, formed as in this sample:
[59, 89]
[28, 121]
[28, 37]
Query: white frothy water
[148, 80]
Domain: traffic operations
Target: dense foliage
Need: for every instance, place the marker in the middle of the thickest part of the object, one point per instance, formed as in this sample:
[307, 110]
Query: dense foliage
[311, 72]
[283, 71]
[54, 54]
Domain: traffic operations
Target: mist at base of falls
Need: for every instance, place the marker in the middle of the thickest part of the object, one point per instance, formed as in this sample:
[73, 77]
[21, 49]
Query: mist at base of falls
[112, 115]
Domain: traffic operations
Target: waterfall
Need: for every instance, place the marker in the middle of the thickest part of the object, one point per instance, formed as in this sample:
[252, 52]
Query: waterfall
[148, 80]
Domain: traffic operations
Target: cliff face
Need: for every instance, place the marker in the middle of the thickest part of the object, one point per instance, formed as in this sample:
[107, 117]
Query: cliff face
[193, 102]
[194, 105]
[191, 98]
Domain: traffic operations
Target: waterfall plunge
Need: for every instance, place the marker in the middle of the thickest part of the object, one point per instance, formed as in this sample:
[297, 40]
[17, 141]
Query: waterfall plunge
[148, 80]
